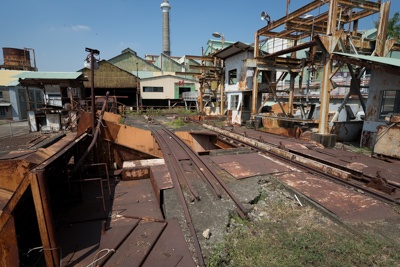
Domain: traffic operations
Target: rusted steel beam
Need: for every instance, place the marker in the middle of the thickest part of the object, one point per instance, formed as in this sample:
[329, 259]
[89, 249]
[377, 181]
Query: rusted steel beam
[48, 217]
[291, 49]
[195, 67]
[305, 28]
[210, 59]
[189, 73]
[368, 64]
[362, 4]
[382, 29]
[357, 15]
[310, 163]
[40, 214]
[96, 134]
[301, 11]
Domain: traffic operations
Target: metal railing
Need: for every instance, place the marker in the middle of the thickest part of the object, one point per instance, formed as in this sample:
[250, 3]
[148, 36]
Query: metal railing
[14, 128]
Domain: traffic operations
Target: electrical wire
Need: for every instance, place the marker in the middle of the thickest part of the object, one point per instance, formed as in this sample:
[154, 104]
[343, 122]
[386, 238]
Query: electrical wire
[94, 259]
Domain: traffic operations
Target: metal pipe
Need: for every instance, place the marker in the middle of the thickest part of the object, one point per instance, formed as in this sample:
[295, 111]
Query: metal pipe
[95, 135]
[92, 89]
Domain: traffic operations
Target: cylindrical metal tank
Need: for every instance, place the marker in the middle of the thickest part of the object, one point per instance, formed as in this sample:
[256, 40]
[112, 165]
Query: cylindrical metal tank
[16, 57]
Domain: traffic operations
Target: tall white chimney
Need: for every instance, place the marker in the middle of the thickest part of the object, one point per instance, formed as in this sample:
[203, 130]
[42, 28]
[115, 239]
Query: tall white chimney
[165, 6]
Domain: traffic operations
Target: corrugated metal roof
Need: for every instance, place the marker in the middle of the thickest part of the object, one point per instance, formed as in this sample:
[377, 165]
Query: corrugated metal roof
[233, 49]
[383, 60]
[48, 75]
[6, 77]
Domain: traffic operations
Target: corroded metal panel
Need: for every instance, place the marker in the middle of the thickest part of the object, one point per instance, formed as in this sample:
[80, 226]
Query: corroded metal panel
[388, 141]
[138, 139]
[9, 255]
[111, 117]
[110, 76]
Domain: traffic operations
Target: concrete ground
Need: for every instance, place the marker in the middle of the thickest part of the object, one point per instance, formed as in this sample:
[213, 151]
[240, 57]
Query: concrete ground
[213, 214]
[13, 128]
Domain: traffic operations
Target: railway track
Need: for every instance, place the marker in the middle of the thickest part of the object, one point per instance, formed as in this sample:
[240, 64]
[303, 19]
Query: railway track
[175, 151]
[377, 187]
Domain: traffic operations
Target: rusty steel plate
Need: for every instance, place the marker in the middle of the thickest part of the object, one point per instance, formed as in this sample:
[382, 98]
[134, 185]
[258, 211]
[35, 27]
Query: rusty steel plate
[248, 165]
[349, 205]
[137, 245]
[171, 249]
[136, 198]
[177, 149]
[161, 176]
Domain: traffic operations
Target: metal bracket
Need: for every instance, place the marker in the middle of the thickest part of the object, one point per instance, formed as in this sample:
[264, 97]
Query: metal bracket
[381, 184]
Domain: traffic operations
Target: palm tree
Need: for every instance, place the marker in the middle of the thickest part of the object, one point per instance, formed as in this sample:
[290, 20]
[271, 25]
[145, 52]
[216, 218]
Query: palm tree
[393, 28]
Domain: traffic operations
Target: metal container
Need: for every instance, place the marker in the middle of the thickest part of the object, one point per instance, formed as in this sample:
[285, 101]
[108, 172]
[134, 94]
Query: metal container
[16, 57]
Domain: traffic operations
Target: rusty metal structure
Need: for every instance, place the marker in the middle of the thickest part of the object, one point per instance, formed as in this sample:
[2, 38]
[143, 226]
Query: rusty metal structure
[18, 59]
[323, 36]
[329, 32]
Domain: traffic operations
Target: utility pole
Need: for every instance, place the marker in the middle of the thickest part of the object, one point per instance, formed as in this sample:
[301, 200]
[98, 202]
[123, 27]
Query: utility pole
[93, 52]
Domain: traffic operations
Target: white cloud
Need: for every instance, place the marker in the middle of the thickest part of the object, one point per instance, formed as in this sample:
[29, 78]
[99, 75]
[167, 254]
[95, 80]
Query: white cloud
[79, 28]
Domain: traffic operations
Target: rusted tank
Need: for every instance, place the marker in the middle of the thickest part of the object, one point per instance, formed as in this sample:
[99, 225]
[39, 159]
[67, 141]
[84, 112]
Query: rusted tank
[16, 57]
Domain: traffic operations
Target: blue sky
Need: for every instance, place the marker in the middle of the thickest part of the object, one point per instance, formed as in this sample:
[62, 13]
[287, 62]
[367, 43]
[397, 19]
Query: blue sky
[60, 30]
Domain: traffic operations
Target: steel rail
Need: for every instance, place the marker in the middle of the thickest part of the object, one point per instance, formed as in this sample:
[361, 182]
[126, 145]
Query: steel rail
[215, 175]
[164, 148]
[178, 166]
[194, 157]
[316, 171]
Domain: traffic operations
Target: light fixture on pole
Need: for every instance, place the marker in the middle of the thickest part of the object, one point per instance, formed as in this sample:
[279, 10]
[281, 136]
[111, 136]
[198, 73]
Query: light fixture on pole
[266, 17]
[219, 35]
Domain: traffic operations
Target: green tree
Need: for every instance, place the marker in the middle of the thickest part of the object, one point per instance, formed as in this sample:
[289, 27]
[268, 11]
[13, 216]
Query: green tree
[393, 28]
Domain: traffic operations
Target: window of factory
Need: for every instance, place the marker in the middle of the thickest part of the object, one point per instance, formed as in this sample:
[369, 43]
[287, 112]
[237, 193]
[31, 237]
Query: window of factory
[234, 102]
[2, 111]
[148, 89]
[246, 102]
[1, 95]
[232, 76]
[182, 90]
[389, 103]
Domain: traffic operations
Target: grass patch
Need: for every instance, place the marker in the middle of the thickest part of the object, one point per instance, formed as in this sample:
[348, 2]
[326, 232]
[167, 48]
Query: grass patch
[176, 123]
[291, 236]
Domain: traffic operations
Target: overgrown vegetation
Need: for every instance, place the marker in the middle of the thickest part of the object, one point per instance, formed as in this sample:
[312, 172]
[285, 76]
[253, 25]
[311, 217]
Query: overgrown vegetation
[289, 235]
[159, 112]
[362, 150]
[177, 123]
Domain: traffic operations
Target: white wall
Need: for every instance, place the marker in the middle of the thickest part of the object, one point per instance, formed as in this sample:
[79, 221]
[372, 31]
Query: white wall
[237, 62]
[380, 81]
[168, 83]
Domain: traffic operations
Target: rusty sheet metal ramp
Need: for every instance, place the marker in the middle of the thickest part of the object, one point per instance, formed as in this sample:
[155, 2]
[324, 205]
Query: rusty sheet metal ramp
[135, 241]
